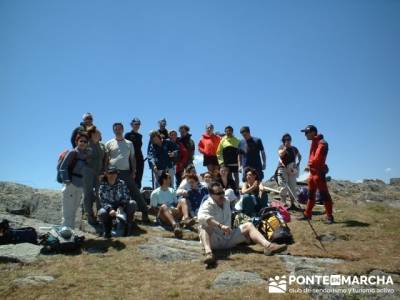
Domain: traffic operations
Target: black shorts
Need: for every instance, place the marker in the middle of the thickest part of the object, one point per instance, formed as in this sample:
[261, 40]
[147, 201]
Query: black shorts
[210, 160]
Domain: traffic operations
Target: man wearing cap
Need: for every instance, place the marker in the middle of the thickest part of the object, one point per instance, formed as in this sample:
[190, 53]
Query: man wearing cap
[318, 170]
[136, 138]
[208, 147]
[162, 128]
[115, 202]
[251, 153]
[87, 122]
[121, 155]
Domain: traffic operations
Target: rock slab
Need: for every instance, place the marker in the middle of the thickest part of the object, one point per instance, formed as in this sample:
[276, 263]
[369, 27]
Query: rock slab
[33, 280]
[25, 253]
[233, 279]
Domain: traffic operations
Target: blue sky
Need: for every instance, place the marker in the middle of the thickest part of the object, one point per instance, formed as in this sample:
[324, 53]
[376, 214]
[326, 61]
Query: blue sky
[275, 66]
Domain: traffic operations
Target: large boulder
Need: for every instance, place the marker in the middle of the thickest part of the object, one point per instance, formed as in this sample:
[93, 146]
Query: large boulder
[25, 253]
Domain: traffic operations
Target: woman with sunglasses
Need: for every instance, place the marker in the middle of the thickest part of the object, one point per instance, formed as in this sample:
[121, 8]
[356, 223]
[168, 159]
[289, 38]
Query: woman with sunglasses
[288, 169]
[72, 169]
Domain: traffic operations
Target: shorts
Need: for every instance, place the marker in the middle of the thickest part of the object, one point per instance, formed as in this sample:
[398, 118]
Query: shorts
[210, 160]
[218, 241]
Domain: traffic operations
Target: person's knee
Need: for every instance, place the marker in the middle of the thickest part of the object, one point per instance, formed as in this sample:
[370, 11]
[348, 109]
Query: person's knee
[163, 208]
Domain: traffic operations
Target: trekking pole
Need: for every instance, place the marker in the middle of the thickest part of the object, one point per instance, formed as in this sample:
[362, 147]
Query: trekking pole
[308, 220]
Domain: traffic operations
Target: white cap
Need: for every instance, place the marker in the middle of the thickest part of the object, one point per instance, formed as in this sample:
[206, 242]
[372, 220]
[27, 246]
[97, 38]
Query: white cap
[85, 115]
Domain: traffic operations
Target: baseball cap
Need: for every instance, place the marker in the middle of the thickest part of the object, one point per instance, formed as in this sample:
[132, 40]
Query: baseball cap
[135, 120]
[87, 115]
[112, 169]
[309, 128]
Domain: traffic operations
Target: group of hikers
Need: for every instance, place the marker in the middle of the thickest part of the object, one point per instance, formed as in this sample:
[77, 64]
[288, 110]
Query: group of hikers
[109, 176]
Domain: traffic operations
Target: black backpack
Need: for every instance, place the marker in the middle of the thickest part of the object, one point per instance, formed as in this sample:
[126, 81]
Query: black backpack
[17, 235]
[61, 239]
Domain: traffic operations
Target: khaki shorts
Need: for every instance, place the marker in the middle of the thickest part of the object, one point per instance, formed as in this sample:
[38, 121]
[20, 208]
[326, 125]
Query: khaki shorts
[218, 241]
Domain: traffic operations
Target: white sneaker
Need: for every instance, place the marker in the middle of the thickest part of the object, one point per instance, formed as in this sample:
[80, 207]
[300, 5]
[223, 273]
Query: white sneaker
[121, 215]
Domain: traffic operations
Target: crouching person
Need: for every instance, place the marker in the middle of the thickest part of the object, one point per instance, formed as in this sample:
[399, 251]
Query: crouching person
[216, 232]
[115, 202]
[168, 210]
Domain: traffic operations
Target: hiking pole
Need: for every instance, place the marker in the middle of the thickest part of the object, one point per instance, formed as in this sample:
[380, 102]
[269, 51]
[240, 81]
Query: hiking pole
[308, 220]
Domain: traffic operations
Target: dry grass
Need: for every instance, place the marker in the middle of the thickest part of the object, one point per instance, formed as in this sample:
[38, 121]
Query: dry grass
[369, 241]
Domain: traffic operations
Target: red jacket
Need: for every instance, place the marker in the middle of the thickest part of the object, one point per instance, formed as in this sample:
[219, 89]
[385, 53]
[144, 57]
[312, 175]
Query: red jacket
[183, 158]
[318, 154]
[208, 144]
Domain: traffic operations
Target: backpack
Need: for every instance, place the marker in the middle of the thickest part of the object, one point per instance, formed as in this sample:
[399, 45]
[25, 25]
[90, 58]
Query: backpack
[273, 227]
[282, 210]
[17, 236]
[61, 158]
[61, 239]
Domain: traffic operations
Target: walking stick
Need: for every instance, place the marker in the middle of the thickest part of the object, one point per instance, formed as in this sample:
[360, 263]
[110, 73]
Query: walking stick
[308, 220]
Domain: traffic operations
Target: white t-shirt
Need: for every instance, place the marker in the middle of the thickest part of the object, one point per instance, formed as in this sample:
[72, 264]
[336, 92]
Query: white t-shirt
[120, 152]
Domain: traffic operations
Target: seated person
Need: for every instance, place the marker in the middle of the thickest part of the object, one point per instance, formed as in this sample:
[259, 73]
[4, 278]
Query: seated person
[206, 178]
[254, 198]
[216, 233]
[228, 184]
[114, 197]
[184, 187]
[168, 210]
[196, 194]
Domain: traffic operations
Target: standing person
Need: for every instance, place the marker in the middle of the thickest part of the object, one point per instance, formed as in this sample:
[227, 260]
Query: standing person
[186, 139]
[163, 128]
[72, 169]
[121, 155]
[318, 170]
[96, 162]
[216, 233]
[208, 146]
[136, 138]
[182, 159]
[87, 122]
[161, 156]
[115, 201]
[227, 153]
[251, 153]
[288, 169]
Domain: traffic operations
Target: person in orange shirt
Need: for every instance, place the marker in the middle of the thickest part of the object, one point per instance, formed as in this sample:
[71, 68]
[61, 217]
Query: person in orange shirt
[318, 170]
[208, 147]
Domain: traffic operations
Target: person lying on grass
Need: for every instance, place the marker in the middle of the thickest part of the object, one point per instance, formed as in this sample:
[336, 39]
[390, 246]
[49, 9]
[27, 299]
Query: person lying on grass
[216, 233]
[168, 210]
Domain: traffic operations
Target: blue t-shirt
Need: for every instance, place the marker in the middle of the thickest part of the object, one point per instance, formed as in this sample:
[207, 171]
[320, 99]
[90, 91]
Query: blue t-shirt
[249, 151]
[159, 197]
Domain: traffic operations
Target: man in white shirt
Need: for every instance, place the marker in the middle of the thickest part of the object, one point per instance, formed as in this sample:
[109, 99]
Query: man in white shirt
[216, 233]
[121, 155]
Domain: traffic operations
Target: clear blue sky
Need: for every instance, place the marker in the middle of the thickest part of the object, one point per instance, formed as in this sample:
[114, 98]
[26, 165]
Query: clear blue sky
[275, 66]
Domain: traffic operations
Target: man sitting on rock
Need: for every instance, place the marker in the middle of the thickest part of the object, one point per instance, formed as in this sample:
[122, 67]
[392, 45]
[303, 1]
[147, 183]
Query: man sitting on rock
[116, 202]
[216, 232]
[168, 210]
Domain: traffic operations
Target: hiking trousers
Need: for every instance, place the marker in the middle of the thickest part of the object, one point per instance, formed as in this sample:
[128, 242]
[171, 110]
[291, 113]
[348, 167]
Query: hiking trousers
[286, 181]
[72, 196]
[135, 194]
[252, 204]
[90, 192]
[318, 182]
[106, 219]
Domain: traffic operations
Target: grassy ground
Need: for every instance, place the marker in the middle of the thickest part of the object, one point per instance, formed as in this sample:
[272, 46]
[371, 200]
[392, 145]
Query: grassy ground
[368, 239]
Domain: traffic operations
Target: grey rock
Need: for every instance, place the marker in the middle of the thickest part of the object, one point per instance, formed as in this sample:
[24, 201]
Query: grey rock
[33, 280]
[25, 253]
[166, 249]
[395, 181]
[230, 279]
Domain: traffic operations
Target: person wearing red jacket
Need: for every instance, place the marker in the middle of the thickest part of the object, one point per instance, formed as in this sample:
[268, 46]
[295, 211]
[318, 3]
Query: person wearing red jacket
[318, 170]
[208, 147]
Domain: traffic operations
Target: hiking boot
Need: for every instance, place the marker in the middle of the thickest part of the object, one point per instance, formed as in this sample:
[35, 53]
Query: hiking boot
[177, 231]
[330, 220]
[145, 219]
[187, 223]
[209, 258]
[303, 218]
[274, 248]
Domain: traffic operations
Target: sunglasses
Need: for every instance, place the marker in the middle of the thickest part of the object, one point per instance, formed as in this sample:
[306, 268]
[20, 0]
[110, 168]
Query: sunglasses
[287, 140]
[82, 141]
[219, 193]
[87, 119]
[136, 124]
